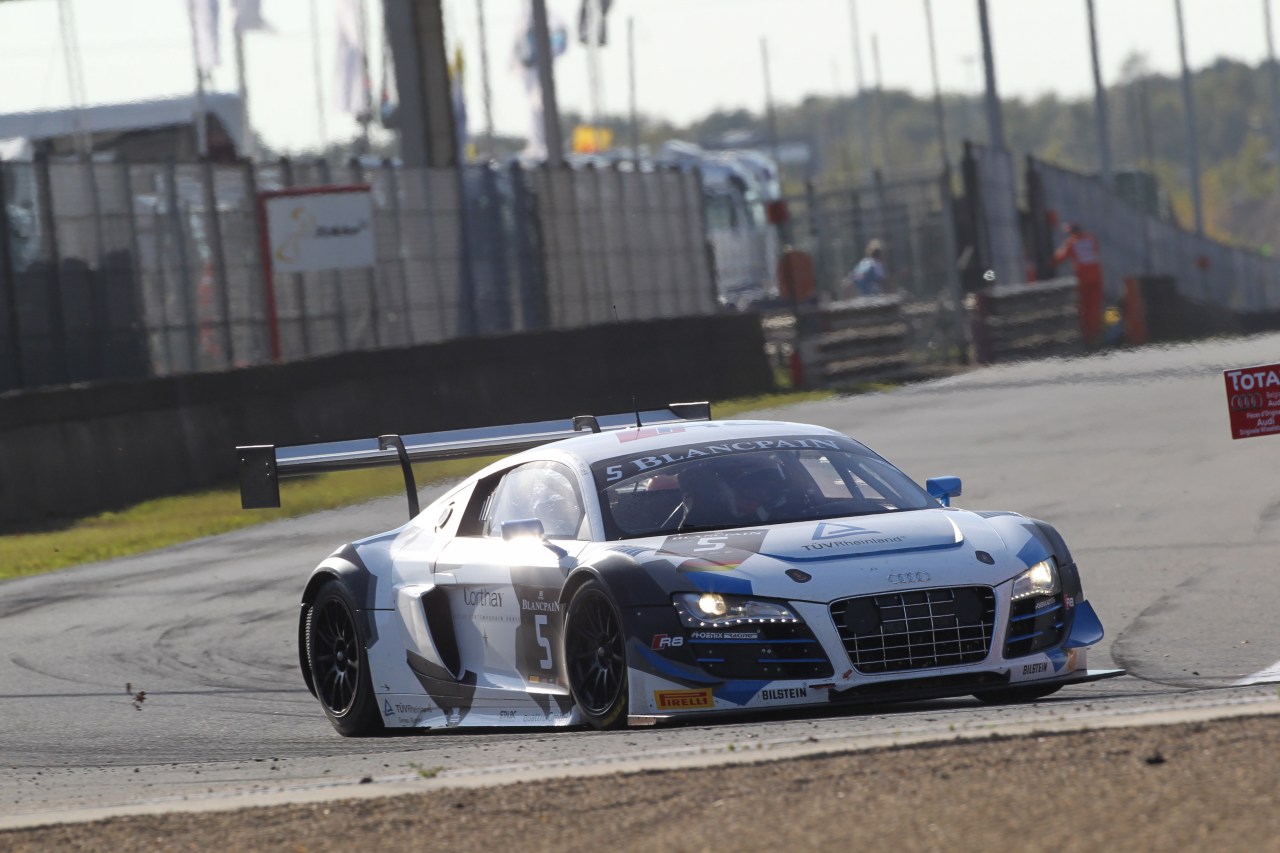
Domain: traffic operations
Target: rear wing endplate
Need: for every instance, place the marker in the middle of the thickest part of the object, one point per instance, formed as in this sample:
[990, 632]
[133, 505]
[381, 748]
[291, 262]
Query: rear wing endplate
[262, 466]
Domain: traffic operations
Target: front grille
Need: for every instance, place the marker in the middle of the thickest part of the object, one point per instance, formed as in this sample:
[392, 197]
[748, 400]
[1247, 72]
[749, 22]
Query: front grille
[1035, 624]
[760, 651]
[921, 629]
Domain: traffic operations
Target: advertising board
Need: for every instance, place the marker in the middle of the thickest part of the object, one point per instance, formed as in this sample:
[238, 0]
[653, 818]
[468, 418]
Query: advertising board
[1253, 400]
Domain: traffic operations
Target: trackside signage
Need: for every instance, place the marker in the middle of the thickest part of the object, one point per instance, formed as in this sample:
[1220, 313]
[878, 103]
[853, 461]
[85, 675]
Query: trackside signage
[1253, 400]
[327, 228]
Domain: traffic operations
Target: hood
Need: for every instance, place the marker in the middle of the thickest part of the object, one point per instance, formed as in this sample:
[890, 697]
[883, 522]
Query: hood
[836, 558]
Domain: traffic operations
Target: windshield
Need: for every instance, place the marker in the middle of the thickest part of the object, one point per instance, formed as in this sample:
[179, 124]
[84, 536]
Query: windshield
[754, 488]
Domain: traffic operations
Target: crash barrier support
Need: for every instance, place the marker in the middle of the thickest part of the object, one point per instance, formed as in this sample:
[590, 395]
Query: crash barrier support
[1016, 321]
[68, 452]
[857, 340]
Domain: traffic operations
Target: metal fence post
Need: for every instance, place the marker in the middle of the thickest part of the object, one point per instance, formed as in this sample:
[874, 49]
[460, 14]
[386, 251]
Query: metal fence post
[371, 274]
[49, 230]
[467, 282]
[213, 234]
[500, 261]
[393, 190]
[817, 231]
[334, 277]
[530, 253]
[575, 179]
[951, 256]
[602, 219]
[96, 273]
[184, 267]
[628, 244]
[693, 231]
[135, 249]
[263, 341]
[8, 291]
[299, 280]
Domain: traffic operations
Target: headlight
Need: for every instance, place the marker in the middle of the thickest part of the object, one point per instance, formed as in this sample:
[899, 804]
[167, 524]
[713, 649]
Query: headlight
[712, 608]
[1040, 579]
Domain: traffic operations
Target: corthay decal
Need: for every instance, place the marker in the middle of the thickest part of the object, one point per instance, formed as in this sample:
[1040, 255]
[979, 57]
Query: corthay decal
[482, 598]
[621, 467]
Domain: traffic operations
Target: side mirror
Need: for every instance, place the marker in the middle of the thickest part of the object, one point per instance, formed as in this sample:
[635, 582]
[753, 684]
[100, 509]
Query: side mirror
[943, 489]
[532, 529]
[523, 528]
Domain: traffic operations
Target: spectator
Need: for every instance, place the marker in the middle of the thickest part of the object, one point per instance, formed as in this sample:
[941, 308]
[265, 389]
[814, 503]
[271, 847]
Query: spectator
[1086, 263]
[868, 276]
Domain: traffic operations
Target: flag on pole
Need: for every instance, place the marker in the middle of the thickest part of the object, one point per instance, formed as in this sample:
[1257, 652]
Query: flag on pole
[589, 31]
[249, 16]
[204, 19]
[352, 89]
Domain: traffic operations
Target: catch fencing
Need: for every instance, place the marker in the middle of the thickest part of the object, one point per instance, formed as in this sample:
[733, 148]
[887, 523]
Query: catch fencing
[1134, 243]
[113, 270]
[991, 192]
[912, 217]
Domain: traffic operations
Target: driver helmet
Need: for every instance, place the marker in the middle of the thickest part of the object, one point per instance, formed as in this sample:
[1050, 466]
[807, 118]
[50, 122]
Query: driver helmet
[760, 489]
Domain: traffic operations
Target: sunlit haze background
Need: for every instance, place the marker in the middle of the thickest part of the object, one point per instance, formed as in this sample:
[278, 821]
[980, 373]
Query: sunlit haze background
[693, 56]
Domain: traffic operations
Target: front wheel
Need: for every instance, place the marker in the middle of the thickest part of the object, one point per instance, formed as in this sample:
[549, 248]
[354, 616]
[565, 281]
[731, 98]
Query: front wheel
[595, 657]
[339, 663]
[1014, 695]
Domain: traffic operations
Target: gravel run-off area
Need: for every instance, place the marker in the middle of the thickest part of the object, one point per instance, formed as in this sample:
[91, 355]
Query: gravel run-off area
[1193, 786]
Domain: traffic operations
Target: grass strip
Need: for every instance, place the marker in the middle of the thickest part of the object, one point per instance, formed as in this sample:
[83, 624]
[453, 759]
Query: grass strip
[162, 522]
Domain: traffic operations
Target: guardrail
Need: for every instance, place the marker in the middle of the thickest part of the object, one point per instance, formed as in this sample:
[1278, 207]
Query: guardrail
[1016, 321]
[858, 340]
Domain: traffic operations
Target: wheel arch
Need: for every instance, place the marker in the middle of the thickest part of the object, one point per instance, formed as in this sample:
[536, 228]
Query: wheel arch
[343, 566]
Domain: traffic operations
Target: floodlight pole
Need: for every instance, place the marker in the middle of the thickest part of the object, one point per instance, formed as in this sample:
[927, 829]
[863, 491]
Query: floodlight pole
[1273, 80]
[1189, 106]
[1100, 101]
[939, 115]
[995, 122]
[547, 83]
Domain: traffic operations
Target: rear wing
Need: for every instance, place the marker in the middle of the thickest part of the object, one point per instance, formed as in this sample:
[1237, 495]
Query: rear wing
[262, 466]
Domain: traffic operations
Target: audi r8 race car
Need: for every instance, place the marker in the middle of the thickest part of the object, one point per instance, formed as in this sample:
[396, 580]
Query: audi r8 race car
[631, 569]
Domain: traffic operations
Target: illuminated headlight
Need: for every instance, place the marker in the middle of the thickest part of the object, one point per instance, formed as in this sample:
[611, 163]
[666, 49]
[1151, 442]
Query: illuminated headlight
[1040, 579]
[712, 608]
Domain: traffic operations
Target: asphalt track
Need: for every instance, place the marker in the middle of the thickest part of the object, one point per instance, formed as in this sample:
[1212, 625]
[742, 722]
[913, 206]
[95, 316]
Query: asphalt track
[1175, 526]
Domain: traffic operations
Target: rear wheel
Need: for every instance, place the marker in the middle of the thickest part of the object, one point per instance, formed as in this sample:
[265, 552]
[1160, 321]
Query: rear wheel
[595, 657]
[339, 663]
[1014, 695]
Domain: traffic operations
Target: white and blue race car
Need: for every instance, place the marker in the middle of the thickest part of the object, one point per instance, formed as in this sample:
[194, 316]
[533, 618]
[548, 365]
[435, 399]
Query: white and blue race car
[632, 569]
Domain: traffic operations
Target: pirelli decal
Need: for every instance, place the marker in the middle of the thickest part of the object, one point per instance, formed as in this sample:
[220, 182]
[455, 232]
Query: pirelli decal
[682, 700]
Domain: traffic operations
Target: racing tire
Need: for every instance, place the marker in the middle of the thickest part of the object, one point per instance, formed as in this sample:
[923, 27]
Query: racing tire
[596, 657]
[339, 663]
[1015, 695]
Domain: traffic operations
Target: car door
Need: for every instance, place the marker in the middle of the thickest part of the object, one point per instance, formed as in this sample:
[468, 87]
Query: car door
[504, 593]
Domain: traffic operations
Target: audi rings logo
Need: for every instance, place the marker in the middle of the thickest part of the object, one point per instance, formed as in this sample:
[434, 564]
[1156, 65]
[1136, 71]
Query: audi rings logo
[1244, 402]
[908, 577]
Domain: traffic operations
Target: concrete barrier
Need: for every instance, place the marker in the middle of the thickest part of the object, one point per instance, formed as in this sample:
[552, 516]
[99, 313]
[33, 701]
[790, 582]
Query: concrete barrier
[858, 340]
[73, 451]
[1019, 321]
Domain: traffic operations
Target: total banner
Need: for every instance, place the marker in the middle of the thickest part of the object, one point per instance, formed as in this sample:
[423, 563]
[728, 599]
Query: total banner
[319, 228]
[1253, 400]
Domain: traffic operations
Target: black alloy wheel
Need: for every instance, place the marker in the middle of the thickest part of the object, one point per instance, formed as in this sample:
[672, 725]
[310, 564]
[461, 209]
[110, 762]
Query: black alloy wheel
[595, 656]
[339, 665]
